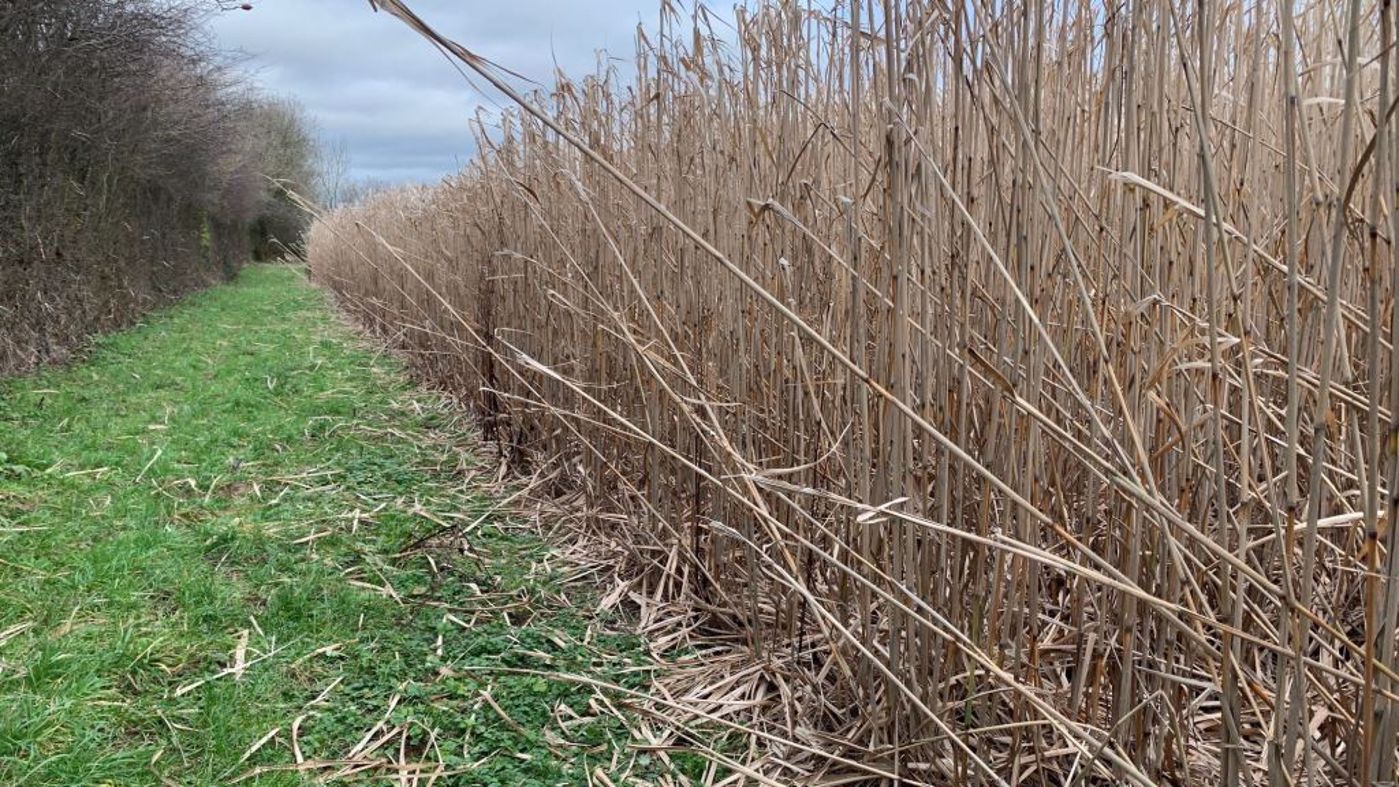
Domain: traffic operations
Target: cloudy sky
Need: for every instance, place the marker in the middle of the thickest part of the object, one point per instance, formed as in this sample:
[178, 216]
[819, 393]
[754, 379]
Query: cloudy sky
[398, 107]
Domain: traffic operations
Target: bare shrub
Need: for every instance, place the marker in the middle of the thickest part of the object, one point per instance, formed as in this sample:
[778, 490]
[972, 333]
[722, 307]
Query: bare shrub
[131, 170]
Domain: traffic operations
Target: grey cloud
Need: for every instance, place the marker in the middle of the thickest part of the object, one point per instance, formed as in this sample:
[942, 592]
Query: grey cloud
[399, 107]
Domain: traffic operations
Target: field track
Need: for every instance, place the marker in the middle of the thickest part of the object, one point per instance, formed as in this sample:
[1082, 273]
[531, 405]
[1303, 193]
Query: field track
[215, 567]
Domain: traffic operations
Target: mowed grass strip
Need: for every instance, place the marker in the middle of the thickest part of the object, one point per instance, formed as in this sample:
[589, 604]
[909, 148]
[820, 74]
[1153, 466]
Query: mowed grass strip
[203, 574]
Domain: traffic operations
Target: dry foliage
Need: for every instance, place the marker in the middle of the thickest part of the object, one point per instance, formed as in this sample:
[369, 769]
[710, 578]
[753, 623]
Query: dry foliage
[1015, 379]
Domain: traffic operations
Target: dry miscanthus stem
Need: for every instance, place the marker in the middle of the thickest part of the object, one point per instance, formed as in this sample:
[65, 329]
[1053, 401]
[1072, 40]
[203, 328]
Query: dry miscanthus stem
[1008, 377]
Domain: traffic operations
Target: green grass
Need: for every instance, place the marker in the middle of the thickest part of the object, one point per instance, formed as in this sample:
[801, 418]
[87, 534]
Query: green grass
[242, 470]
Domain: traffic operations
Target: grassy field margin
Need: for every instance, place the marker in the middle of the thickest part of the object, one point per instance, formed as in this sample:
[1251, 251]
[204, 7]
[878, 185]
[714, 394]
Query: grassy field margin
[237, 544]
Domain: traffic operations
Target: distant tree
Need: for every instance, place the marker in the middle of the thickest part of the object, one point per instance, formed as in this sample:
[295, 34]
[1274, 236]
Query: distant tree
[332, 173]
[284, 153]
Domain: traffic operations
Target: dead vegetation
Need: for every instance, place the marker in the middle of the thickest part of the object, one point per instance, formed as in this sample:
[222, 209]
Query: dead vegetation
[994, 393]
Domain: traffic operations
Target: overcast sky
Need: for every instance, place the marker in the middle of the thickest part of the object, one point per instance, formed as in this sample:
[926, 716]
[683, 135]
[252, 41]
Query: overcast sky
[399, 107]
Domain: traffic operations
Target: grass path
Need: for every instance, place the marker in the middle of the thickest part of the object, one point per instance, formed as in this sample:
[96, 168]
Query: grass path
[203, 573]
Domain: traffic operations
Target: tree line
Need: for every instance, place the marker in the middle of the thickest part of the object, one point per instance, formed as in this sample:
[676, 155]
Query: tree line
[136, 168]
